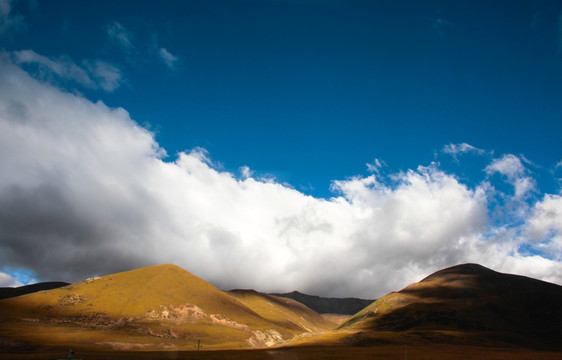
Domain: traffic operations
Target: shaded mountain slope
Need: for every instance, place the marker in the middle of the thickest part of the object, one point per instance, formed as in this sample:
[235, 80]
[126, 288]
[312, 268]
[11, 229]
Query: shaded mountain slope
[154, 307]
[8, 292]
[322, 305]
[470, 298]
[282, 311]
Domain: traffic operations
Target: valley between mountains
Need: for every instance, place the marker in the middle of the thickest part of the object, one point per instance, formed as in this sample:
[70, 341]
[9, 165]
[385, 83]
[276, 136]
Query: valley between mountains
[167, 309]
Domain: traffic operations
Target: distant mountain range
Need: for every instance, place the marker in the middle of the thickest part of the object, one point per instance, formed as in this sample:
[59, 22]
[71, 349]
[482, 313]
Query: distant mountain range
[166, 308]
[323, 305]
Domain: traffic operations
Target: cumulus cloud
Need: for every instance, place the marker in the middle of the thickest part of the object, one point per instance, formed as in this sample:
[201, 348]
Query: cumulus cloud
[544, 227]
[92, 74]
[168, 59]
[458, 149]
[84, 190]
[509, 165]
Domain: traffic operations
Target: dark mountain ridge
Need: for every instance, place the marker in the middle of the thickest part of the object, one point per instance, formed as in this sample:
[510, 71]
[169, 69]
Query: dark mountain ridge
[323, 305]
[470, 298]
[8, 292]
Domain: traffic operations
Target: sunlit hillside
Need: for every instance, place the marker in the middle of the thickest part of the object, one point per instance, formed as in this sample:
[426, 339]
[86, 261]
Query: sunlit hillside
[159, 307]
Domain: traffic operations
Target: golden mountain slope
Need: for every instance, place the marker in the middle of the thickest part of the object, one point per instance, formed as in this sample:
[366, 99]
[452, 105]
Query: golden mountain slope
[284, 312]
[158, 307]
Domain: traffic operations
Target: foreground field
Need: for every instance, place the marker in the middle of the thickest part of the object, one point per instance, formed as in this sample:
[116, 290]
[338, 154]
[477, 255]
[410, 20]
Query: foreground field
[430, 351]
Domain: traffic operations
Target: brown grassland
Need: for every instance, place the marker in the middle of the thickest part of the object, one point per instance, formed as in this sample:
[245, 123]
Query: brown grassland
[426, 351]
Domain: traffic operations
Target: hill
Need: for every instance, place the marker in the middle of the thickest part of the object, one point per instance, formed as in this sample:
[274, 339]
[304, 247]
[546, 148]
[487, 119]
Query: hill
[323, 305]
[283, 312]
[165, 308]
[158, 307]
[469, 300]
[8, 292]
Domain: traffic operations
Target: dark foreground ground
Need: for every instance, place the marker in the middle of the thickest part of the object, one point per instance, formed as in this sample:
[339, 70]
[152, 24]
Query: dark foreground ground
[438, 351]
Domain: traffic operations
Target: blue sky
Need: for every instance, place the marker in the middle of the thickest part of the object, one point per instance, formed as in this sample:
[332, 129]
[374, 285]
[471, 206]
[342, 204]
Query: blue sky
[348, 100]
[289, 86]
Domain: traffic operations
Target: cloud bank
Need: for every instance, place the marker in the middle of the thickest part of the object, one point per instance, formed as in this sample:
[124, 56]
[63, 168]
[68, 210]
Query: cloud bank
[85, 190]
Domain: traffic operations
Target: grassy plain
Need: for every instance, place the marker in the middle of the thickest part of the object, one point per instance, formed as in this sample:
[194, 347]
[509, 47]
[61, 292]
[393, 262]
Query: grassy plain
[411, 352]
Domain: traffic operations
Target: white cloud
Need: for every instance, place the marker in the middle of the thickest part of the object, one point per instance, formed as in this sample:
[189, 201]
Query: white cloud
[6, 280]
[246, 172]
[509, 165]
[544, 226]
[94, 74]
[168, 59]
[375, 166]
[512, 168]
[458, 149]
[84, 190]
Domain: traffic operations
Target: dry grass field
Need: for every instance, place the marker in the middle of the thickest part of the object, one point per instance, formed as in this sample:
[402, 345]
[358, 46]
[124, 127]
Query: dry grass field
[398, 352]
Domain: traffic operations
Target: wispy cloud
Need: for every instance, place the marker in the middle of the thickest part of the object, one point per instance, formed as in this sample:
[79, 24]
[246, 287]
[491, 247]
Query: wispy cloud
[440, 24]
[140, 50]
[458, 149]
[91, 74]
[121, 36]
[10, 22]
[375, 166]
[168, 59]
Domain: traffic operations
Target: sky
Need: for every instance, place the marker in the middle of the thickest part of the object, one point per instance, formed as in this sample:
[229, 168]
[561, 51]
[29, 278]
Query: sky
[338, 148]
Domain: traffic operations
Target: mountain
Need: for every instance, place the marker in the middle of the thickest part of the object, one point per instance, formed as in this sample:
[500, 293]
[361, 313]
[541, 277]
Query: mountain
[283, 312]
[322, 305]
[8, 292]
[165, 308]
[158, 307]
[472, 300]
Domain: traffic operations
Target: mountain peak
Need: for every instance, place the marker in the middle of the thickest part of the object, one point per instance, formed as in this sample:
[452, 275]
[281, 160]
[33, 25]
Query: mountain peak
[461, 269]
[471, 298]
